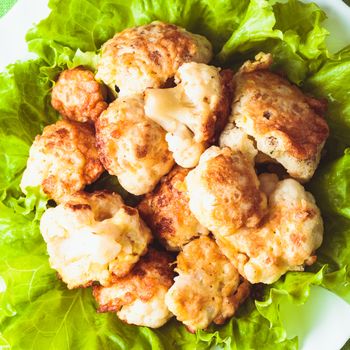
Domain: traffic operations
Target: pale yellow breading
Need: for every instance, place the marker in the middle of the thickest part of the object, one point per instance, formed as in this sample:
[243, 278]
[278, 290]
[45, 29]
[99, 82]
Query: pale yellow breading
[193, 111]
[147, 56]
[224, 191]
[139, 297]
[63, 160]
[208, 288]
[132, 146]
[91, 236]
[78, 96]
[236, 139]
[167, 213]
[286, 238]
[286, 124]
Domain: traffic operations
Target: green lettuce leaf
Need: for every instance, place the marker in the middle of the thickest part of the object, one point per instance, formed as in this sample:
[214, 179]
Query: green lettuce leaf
[303, 46]
[237, 29]
[332, 81]
[331, 186]
[256, 26]
[86, 25]
[293, 287]
[13, 158]
[24, 111]
[25, 108]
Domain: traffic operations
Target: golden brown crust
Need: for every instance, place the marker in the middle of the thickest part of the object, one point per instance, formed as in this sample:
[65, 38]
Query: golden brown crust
[208, 287]
[64, 159]
[153, 271]
[285, 239]
[276, 106]
[132, 146]
[262, 61]
[222, 173]
[155, 51]
[236, 299]
[167, 213]
[78, 96]
[224, 191]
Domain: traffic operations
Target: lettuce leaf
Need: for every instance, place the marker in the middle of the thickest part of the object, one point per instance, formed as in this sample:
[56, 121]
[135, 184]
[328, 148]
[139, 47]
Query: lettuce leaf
[24, 111]
[331, 189]
[331, 186]
[237, 29]
[303, 45]
[36, 310]
[256, 26]
[25, 108]
[331, 81]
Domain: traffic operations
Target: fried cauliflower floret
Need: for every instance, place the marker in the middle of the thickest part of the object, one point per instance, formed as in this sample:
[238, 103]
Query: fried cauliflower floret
[286, 124]
[148, 56]
[236, 139]
[224, 191]
[91, 236]
[167, 213]
[285, 240]
[139, 297]
[189, 111]
[132, 146]
[78, 96]
[62, 160]
[208, 288]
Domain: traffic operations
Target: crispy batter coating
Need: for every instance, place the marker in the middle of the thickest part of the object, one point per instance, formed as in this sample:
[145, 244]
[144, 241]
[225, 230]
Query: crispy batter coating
[62, 160]
[286, 239]
[286, 124]
[224, 191]
[167, 213]
[149, 55]
[193, 112]
[132, 146]
[208, 287]
[78, 96]
[139, 297]
[91, 236]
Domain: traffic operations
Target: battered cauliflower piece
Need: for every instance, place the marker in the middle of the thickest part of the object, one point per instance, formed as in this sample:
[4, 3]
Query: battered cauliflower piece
[167, 212]
[62, 160]
[189, 111]
[148, 56]
[92, 236]
[236, 139]
[286, 239]
[132, 146]
[208, 287]
[286, 124]
[139, 297]
[224, 191]
[78, 96]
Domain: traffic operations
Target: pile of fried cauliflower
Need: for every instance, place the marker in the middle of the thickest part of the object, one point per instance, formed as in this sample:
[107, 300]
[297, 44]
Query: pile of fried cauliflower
[218, 157]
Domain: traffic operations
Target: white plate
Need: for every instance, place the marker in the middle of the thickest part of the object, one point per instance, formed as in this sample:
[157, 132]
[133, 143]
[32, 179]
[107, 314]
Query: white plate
[323, 322]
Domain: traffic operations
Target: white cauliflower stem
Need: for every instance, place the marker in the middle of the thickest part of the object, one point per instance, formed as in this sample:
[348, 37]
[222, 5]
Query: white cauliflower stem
[189, 111]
